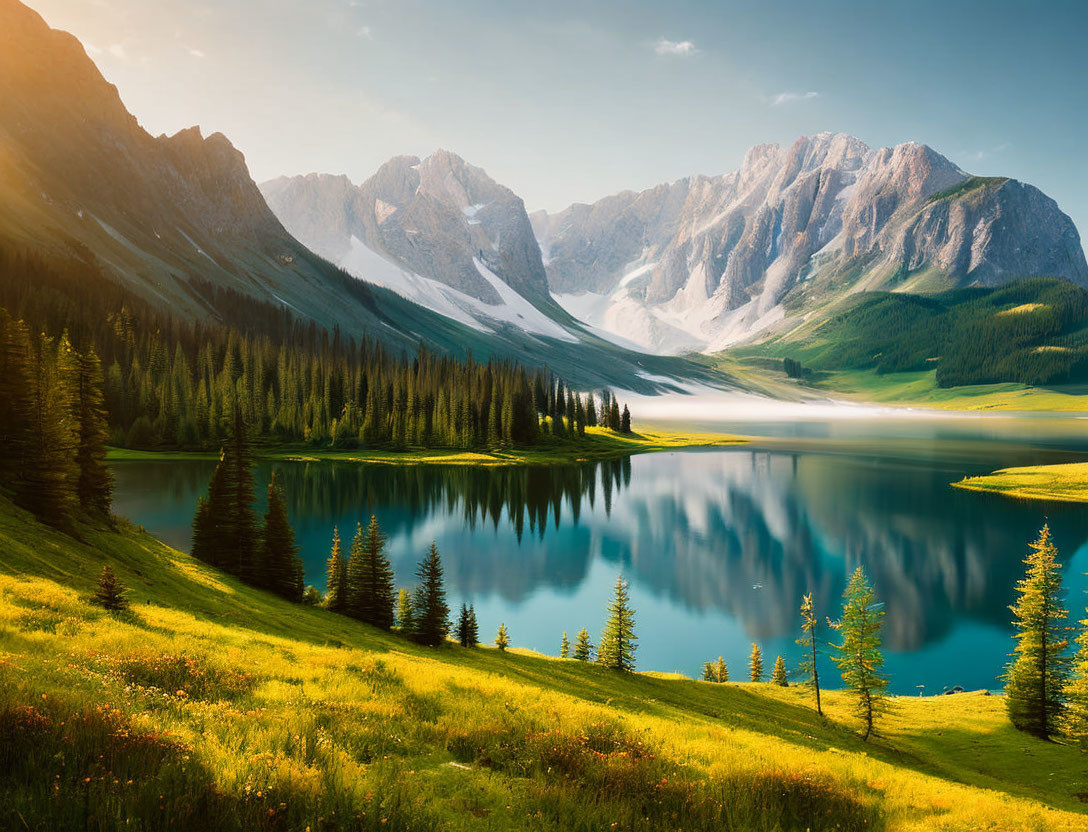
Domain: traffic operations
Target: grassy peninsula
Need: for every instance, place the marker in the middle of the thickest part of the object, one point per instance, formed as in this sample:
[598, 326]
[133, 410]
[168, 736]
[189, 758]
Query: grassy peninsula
[597, 444]
[220, 707]
[1065, 483]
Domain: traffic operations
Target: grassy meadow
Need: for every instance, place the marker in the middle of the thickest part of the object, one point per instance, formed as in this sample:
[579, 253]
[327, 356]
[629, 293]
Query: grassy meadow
[214, 706]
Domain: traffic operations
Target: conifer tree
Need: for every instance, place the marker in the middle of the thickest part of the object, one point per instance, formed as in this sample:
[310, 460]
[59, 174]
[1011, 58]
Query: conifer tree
[241, 534]
[502, 640]
[1035, 678]
[280, 567]
[721, 671]
[375, 603]
[583, 647]
[859, 657]
[564, 647]
[625, 420]
[16, 394]
[755, 664]
[778, 675]
[473, 627]
[94, 486]
[404, 611]
[430, 614]
[336, 575]
[355, 594]
[618, 646]
[708, 672]
[110, 592]
[462, 629]
[808, 640]
[1075, 725]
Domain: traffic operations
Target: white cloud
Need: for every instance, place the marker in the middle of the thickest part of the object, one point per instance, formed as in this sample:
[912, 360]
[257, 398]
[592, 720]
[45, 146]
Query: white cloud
[364, 32]
[683, 48]
[118, 51]
[787, 97]
[196, 53]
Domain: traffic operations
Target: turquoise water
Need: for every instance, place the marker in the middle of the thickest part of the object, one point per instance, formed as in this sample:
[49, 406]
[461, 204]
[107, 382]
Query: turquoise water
[719, 546]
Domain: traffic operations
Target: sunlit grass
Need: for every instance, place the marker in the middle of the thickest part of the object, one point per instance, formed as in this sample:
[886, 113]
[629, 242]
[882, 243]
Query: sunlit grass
[235, 710]
[1067, 482]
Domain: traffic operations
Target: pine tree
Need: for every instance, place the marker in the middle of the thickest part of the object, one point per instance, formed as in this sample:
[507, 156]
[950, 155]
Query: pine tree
[430, 613]
[755, 664]
[404, 611]
[1035, 678]
[721, 671]
[502, 640]
[473, 627]
[808, 640]
[708, 672]
[618, 645]
[336, 576]
[1075, 723]
[280, 567]
[625, 420]
[241, 534]
[110, 593]
[564, 647]
[94, 486]
[583, 647]
[374, 603]
[778, 675]
[355, 594]
[462, 629]
[859, 657]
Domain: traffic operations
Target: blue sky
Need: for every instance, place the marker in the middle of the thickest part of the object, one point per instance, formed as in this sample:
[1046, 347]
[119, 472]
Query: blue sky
[569, 101]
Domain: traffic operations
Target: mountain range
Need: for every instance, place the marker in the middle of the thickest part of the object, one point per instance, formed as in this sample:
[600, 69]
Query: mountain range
[700, 264]
[434, 250]
[168, 217]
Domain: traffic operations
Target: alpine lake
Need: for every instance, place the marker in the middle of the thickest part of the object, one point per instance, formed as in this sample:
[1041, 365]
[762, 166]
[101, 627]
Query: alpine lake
[719, 546]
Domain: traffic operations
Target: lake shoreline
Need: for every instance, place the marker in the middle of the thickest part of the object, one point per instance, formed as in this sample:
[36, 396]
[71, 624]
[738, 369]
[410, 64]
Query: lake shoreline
[598, 444]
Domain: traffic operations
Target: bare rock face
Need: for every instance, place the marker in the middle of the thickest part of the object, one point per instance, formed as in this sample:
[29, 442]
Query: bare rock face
[712, 261]
[439, 218]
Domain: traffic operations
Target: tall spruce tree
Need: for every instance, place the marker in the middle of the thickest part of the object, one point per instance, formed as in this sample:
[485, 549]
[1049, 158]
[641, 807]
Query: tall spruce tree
[564, 647]
[859, 657]
[809, 667]
[755, 664]
[336, 575]
[502, 640]
[708, 672]
[355, 587]
[430, 613]
[1037, 674]
[625, 420]
[583, 647]
[473, 627]
[721, 670]
[1075, 723]
[280, 567]
[462, 628]
[94, 486]
[618, 641]
[376, 587]
[778, 675]
[242, 533]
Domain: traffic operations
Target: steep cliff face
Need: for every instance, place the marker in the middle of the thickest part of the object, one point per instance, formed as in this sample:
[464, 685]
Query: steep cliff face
[710, 261]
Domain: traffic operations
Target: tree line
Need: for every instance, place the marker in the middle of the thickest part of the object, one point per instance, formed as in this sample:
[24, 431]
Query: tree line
[53, 424]
[174, 382]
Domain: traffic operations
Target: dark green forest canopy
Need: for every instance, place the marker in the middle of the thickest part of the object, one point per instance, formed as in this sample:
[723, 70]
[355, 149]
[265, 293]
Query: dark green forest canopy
[1030, 331]
[173, 383]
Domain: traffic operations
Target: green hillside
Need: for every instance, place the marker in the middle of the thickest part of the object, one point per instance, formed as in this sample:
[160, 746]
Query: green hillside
[1031, 332]
[214, 706]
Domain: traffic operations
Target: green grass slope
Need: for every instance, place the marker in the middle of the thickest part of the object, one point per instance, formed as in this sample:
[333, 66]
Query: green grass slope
[212, 706]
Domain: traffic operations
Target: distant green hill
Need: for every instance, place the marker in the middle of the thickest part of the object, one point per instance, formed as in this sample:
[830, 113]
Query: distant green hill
[1032, 332]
